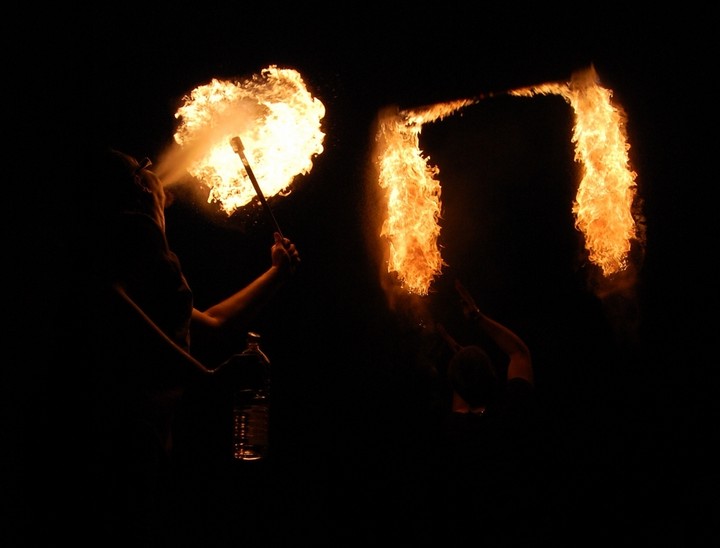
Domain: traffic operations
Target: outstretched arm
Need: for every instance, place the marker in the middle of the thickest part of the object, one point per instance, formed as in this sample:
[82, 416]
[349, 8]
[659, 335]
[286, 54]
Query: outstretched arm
[244, 303]
[520, 364]
[449, 339]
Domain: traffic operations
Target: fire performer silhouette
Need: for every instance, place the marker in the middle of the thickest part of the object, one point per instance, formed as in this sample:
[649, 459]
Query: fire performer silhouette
[140, 317]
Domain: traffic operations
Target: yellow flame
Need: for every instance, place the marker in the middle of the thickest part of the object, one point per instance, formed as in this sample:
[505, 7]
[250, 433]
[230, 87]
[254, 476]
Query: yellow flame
[412, 193]
[604, 201]
[280, 124]
[603, 207]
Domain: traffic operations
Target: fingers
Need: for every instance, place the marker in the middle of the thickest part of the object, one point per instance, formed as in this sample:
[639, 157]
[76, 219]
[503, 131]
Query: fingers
[281, 241]
[289, 248]
[285, 242]
[293, 253]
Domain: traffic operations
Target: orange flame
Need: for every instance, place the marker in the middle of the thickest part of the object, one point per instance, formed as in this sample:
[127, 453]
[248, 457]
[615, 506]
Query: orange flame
[280, 125]
[604, 201]
[412, 193]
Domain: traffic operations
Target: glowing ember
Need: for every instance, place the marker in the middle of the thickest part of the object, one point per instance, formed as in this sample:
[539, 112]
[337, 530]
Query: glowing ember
[279, 122]
[605, 196]
[413, 196]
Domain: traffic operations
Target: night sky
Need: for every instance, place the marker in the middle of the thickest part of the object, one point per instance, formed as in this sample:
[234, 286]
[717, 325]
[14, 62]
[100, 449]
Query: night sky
[618, 373]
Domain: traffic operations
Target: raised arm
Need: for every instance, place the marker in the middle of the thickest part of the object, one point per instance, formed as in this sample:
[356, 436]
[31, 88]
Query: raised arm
[520, 361]
[245, 302]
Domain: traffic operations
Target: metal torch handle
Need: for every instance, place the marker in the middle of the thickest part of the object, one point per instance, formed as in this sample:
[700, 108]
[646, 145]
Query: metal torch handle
[239, 149]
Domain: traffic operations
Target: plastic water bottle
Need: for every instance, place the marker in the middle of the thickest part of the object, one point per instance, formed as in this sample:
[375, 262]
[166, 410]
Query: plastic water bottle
[249, 373]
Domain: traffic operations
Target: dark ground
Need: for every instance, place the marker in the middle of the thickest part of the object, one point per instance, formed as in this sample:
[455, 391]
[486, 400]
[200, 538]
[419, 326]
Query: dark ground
[624, 378]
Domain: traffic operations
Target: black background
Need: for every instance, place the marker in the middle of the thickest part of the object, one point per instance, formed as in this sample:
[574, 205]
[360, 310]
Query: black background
[624, 377]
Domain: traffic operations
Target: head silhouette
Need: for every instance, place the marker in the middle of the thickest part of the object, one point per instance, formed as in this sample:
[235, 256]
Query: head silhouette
[125, 184]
